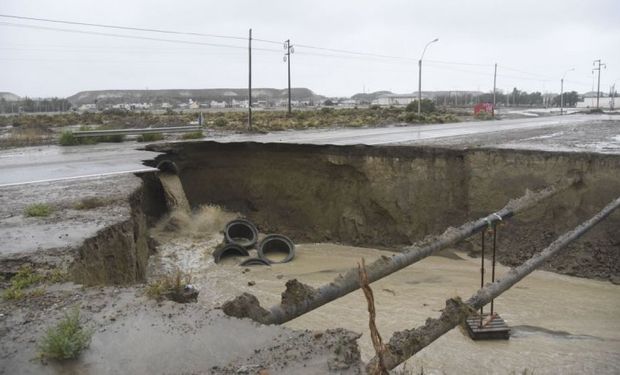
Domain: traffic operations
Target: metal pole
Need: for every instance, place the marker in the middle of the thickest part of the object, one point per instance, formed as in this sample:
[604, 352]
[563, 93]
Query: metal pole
[562, 96]
[494, 88]
[419, 87]
[288, 58]
[598, 87]
[250, 80]
[493, 261]
[482, 274]
[420, 74]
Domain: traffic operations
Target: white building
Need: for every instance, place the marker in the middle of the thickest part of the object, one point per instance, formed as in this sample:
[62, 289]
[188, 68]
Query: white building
[87, 107]
[605, 102]
[216, 104]
[395, 99]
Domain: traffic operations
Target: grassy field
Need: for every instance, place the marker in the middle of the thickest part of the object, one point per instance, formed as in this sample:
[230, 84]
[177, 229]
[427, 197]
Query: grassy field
[24, 130]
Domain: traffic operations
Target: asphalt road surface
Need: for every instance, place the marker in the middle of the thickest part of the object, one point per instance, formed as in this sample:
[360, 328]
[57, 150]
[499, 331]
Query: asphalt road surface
[51, 163]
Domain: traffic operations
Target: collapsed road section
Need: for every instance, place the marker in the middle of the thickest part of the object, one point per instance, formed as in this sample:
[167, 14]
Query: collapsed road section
[333, 205]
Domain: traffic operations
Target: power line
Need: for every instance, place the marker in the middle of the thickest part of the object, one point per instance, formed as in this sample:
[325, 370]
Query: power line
[133, 28]
[131, 36]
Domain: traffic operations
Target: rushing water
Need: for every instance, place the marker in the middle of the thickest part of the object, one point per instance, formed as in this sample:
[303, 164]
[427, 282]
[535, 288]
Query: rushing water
[561, 324]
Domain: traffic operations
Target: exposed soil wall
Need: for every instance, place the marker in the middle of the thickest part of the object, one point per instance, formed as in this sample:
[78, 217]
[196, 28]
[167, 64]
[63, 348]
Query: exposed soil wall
[393, 196]
[117, 254]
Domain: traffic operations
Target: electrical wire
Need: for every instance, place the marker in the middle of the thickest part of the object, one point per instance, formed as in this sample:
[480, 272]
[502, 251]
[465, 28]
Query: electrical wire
[133, 28]
[133, 37]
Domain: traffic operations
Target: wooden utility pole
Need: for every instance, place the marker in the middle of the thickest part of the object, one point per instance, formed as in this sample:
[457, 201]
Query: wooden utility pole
[287, 58]
[250, 81]
[494, 88]
[598, 65]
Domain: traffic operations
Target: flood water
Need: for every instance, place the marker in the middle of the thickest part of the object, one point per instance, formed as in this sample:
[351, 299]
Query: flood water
[560, 324]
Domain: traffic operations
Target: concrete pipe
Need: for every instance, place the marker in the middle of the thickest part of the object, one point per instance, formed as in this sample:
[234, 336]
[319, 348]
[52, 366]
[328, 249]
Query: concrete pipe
[276, 243]
[255, 262]
[231, 249]
[241, 232]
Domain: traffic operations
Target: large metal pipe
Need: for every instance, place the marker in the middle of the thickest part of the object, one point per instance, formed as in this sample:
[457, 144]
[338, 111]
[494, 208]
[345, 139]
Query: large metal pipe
[404, 344]
[349, 282]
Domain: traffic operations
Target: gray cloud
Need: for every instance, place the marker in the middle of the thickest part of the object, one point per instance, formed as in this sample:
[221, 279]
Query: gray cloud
[538, 40]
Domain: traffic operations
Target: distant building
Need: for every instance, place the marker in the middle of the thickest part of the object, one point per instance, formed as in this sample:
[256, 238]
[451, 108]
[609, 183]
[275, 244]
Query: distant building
[87, 108]
[395, 99]
[216, 104]
[605, 102]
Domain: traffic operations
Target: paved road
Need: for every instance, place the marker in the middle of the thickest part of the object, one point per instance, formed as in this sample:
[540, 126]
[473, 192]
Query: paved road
[407, 134]
[50, 163]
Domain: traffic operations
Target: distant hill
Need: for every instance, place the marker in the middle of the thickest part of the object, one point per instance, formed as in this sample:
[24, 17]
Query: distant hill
[110, 97]
[9, 96]
[369, 97]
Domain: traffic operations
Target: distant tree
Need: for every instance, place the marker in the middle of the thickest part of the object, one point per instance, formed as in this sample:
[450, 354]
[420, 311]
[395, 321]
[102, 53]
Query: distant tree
[328, 102]
[570, 99]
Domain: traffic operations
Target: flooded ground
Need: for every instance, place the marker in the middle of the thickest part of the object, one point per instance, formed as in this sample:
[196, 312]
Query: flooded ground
[560, 324]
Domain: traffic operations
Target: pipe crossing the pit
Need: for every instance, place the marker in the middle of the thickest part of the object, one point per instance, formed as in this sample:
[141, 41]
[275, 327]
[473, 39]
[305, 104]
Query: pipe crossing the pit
[299, 299]
[405, 344]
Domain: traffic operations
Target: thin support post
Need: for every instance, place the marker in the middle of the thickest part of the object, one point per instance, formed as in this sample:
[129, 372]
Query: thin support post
[482, 272]
[250, 80]
[493, 261]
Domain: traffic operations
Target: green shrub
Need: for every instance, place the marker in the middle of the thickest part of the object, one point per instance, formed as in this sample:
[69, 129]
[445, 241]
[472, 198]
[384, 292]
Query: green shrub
[220, 122]
[327, 110]
[67, 339]
[192, 135]
[427, 106]
[150, 137]
[24, 278]
[68, 139]
[38, 210]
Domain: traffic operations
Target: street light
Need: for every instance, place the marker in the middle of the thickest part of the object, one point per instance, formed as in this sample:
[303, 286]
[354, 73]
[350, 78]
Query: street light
[562, 91]
[420, 75]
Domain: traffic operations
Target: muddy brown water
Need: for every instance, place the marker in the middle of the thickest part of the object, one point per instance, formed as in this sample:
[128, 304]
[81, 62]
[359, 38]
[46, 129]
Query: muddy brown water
[561, 324]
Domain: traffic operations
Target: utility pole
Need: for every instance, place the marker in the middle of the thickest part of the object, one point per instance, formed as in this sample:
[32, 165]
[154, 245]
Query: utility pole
[598, 65]
[494, 89]
[250, 81]
[562, 91]
[420, 75]
[287, 58]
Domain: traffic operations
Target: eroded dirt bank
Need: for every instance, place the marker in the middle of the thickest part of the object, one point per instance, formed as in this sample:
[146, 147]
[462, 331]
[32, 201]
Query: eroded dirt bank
[394, 195]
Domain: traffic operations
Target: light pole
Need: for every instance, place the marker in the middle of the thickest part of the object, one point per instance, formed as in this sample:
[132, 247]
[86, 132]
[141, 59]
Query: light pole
[562, 91]
[420, 75]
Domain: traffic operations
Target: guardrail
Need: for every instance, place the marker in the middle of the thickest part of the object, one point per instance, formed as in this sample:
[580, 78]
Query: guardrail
[174, 129]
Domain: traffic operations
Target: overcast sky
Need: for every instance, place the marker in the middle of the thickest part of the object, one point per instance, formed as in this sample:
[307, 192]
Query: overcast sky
[533, 42]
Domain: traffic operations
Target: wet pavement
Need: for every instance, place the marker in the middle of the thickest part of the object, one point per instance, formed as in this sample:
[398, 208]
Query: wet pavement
[51, 163]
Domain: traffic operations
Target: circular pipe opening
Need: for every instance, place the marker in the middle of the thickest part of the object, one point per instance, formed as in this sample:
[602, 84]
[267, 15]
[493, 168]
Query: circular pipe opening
[168, 166]
[229, 250]
[241, 232]
[255, 262]
[276, 244]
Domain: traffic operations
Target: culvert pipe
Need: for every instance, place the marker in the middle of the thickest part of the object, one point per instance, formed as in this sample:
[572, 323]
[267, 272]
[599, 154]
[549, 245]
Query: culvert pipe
[228, 250]
[241, 232]
[276, 243]
[255, 262]
[168, 166]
